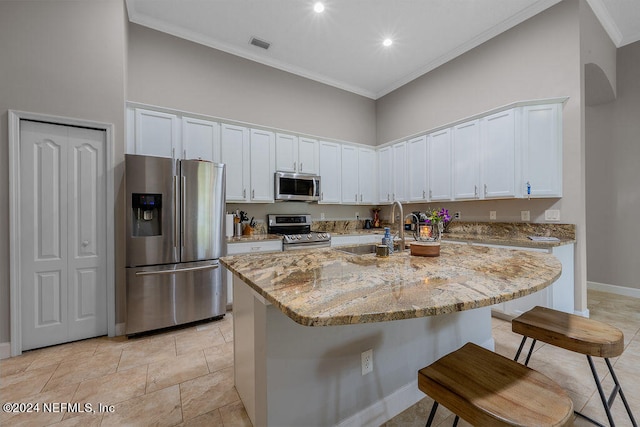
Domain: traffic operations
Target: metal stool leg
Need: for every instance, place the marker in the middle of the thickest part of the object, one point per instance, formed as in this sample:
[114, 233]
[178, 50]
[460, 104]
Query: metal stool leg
[533, 343]
[618, 389]
[432, 414]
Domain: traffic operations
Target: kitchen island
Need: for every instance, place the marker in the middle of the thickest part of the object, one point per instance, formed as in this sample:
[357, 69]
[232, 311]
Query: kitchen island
[303, 318]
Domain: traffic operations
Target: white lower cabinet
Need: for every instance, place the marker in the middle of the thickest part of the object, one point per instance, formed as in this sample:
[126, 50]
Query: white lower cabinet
[247, 248]
[558, 296]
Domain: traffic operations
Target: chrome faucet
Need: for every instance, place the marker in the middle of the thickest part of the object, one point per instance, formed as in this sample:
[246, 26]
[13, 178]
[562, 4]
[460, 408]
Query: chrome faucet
[401, 227]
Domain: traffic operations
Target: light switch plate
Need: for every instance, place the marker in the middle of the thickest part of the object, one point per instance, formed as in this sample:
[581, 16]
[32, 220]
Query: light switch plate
[552, 215]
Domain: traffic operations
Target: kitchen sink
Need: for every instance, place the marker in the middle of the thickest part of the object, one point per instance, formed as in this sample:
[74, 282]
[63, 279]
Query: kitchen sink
[362, 249]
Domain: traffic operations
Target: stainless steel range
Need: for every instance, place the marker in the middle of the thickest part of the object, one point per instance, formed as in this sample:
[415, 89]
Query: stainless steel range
[296, 232]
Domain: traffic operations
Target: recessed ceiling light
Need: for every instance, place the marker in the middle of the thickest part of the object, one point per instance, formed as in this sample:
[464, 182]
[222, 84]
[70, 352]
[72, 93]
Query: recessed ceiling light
[387, 42]
[318, 7]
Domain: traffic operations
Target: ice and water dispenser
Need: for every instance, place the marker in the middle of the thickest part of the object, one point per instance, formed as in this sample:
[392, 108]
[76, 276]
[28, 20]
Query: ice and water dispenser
[146, 214]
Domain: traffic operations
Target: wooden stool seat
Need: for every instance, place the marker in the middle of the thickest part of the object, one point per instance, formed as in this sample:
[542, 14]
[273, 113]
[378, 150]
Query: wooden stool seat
[581, 335]
[487, 389]
[569, 331]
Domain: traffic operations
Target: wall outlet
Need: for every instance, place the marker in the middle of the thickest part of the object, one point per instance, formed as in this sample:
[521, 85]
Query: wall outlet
[552, 215]
[457, 215]
[525, 215]
[492, 214]
[321, 215]
[357, 215]
[367, 361]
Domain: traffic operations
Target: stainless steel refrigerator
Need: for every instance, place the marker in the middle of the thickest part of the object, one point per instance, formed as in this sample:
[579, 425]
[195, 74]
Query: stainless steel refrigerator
[175, 217]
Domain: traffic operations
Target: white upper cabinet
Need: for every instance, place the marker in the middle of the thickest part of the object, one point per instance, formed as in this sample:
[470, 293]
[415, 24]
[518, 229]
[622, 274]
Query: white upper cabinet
[367, 176]
[200, 139]
[156, 134]
[350, 191]
[385, 175]
[400, 173]
[542, 150]
[262, 154]
[499, 151]
[417, 165]
[358, 175]
[466, 145]
[234, 153]
[308, 155]
[296, 154]
[439, 165]
[330, 172]
[286, 153]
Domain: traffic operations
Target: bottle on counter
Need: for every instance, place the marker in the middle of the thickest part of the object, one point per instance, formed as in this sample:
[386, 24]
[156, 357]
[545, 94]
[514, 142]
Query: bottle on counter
[388, 240]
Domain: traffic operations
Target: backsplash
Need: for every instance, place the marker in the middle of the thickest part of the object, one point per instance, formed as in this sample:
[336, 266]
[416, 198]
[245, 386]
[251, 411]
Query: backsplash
[487, 229]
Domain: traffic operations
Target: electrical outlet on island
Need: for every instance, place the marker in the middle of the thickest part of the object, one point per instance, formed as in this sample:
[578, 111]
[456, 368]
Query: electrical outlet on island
[525, 215]
[367, 361]
[492, 214]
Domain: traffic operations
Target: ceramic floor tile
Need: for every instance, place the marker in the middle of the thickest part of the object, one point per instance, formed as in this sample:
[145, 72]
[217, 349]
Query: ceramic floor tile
[75, 371]
[176, 370]
[205, 394]
[43, 417]
[160, 408]
[219, 357]
[234, 415]
[194, 341]
[212, 418]
[113, 388]
[14, 387]
[147, 351]
[15, 365]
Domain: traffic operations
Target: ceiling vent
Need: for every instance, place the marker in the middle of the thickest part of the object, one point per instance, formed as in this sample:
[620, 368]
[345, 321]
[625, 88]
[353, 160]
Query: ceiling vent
[259, 43]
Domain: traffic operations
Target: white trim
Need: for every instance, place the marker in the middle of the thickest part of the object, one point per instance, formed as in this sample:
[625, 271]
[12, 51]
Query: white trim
[614, 289]
[5, 350]
[14, 217]
[393, 404]
[606, 20]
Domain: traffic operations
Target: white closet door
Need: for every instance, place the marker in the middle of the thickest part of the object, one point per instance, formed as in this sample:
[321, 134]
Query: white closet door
[63, 196]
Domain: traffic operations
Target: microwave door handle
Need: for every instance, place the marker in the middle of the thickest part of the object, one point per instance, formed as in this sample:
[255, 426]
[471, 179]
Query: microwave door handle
[315, 187]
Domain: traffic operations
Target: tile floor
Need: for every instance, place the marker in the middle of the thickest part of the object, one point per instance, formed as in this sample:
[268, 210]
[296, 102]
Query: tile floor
[184, 377]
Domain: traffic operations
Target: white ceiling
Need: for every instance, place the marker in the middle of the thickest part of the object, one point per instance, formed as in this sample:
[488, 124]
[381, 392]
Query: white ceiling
[342, 46]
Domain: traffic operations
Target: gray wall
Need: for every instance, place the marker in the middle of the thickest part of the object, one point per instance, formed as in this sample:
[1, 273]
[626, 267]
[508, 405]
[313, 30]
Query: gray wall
[539, 58]
[207, 81]
[613, 180]
[65, 59]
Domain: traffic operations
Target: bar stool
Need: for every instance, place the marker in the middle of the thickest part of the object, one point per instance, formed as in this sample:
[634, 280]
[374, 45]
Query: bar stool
[579, 334]
[487, 389]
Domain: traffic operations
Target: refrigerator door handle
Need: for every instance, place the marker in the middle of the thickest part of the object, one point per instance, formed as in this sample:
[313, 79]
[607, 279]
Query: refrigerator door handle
[182, 270]
[183, 212]
[176, 230]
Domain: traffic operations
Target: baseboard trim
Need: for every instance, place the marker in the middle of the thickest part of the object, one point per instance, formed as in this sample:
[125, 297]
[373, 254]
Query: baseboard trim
[393, 404]
[5, 350]
[120, 328]
[614, 289]
[387, 408]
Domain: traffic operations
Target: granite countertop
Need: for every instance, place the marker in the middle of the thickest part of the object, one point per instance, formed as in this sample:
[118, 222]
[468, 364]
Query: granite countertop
[322, 287]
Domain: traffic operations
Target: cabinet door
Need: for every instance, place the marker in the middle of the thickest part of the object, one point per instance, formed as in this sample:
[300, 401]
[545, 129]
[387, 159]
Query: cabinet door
[262, 154]
[350, 192]
[385, 175]
[367, 177]
[542, 150]
[286, 153]
[498, 148]
[234, 153]
[465, 160]
[308, 155]
[200, 139]
[439, 165]
[417, 164]
[330, 172]
[400, 173]
[156, 134]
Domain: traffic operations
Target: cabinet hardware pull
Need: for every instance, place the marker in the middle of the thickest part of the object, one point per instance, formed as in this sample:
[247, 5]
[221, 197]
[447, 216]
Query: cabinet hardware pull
[244, 193]
[424, 194]
[173, 153]
[253, 194]
[361, 197]
[430, 194]
[356, 198]
[184, 154]
[475, 191]
[294, 166]
[485, 190]
[300, 166]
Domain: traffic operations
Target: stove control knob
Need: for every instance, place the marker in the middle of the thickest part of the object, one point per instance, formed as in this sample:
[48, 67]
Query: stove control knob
[309, 236]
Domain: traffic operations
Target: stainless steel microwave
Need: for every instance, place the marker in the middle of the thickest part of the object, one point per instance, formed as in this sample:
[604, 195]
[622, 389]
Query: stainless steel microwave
[297, 187]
